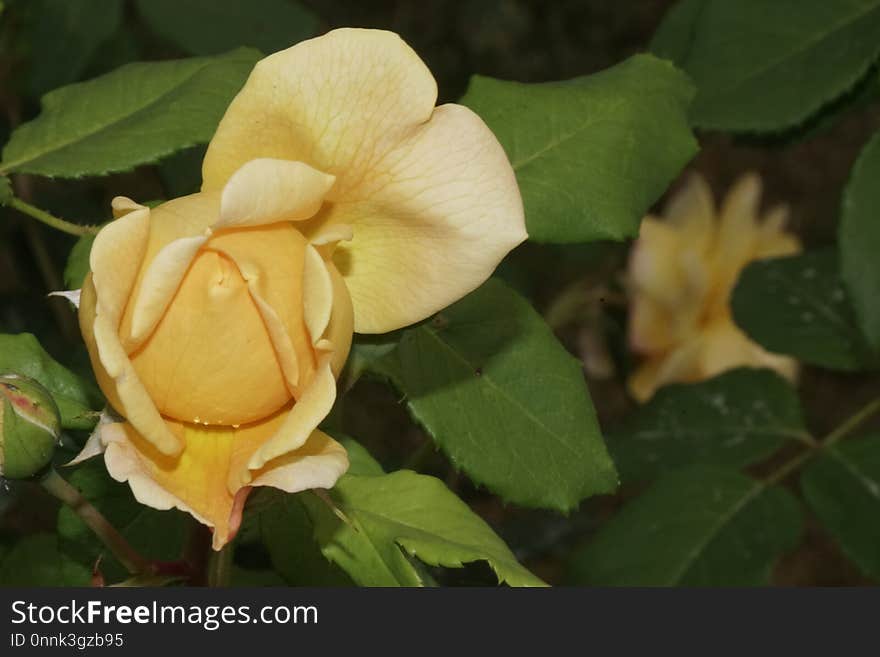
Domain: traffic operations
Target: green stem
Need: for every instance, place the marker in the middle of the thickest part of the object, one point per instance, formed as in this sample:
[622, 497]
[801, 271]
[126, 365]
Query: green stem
[121, 549]
[220, 566]
[852, 423]
[845, 428]
[51, 220]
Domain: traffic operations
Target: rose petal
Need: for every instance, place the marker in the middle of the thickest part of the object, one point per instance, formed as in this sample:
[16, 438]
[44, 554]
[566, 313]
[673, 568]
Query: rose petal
[692, 209]
[438, 214]
[210, 358]
[122, 205]
[271, 260]
[194, 482]
[266, 191]
[339, 331]
[328, 235]
[310, 410]
[318, 463]
[317, 287]
[115, 259]
[159, 283]
[429, 193]
[338, 103]
[679, 365]
[198, 482]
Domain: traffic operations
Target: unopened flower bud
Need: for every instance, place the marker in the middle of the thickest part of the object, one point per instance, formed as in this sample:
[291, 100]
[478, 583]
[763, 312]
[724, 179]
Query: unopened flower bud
[29, 427]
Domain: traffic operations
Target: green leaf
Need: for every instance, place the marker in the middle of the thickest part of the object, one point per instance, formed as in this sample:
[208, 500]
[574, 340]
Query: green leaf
[860, 240]
[797, 305]
[593, 153]
[366, 352]
[77, 400]
[843, 489]
[157, 535]
[287, 533]
[764, 66]
[38, 560]
[134, 115]
[701, 526]
[675, 35]
[735, 419]
[62, 36]
[78, 262]
[498, 393]
[208, 27]
[391, 518]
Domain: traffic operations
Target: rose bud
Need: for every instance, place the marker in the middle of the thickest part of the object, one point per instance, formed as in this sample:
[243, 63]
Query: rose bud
[29, 427]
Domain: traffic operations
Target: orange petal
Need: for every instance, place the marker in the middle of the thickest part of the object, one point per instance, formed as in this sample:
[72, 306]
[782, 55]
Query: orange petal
[271, 260]
[186, 363]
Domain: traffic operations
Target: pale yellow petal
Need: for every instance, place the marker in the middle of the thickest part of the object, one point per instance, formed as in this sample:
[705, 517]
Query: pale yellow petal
[681, 365]
[739, 211]
[724, 347]
[773, 240]
[115, 258]
[87, 311]
[279, 336]
[738, 225]
[651, 326]
[265, 191]
[776, 219]
[187, 218]
[317, 293]
[122, 205]
[692, 210]
[655, 264]
[159, 283]
[438, 214]
[318, 463]
[310, 410]
[785, 366]
[327, 235]
[338, 102]
[339, 332]
[430, 196]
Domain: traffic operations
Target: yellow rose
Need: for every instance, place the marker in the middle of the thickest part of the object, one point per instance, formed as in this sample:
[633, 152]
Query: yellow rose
[335, 198]
[682, 271]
